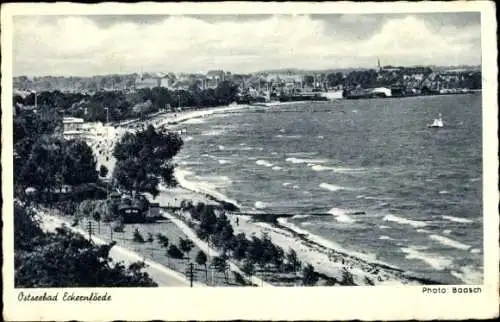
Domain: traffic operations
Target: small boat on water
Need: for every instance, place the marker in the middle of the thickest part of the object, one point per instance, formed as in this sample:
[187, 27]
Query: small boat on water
[438, 123]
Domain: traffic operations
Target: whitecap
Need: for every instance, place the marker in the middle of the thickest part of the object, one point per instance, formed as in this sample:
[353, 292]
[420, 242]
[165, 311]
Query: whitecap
[317, 167]
[444, 192]
[194, 121]
[385, 238]
[223, 162]
[383, 227]
[301, 154]
[347, 170]
[213, 133]
[296, 187]
[436, 262]
[301, 216]
[221, 147]
[447, 231]
[320, 137]
[475, 251]
[298, 160]
[260, 205]
[264, 163]
[276, 168]
[458, 219]
[201, 187]
[404, 221]
[449, 242]
[341, 215]
[285, 184]
[469, 275]
[330, 187]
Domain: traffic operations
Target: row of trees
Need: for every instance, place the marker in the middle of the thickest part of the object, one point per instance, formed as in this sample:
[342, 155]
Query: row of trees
[65, 259]
[213, 226]
[123, 105]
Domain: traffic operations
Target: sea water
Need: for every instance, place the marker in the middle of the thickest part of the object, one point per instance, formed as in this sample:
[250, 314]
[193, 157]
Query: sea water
[388, 185]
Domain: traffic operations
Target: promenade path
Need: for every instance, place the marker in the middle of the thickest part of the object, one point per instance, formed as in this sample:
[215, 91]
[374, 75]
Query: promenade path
[162, 275]
[206, 248]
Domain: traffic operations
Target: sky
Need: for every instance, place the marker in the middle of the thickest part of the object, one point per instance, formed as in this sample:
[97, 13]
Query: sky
[103, 44]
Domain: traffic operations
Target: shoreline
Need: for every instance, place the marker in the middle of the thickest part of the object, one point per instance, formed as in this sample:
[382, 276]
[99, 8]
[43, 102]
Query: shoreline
[329, 261]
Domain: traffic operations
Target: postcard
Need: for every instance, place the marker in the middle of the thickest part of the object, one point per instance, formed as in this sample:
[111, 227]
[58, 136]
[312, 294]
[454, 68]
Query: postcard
[250, 161]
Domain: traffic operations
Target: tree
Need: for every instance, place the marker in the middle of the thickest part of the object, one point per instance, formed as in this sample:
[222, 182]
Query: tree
[226, 92]
[79, 163]
[103, 171]
[220, 263]
[309, 276]
[248, 268]
[201, 259]
[52, 162]
[255, 250]
[293, 263]
[96, 215]
[347, 278]
[138, 237]
[144, 158]
[162, 239]
[240, 246]
[43, 164]
[65, 259]
[185, 245]
[174, 252]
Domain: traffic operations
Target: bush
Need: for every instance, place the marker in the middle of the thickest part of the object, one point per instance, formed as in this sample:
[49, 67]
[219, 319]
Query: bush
[248, 268]
[119, 227]
[239, 279]
[309, 276]
[347, 278]
[175, 252]
[138, 237]
[185, 245]
[162, 240]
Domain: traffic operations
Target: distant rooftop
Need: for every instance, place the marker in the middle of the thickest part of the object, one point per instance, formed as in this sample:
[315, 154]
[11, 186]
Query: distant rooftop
[68, 120]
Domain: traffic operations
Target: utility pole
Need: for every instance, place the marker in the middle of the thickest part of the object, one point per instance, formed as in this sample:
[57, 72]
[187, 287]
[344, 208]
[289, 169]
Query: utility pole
[89, 228]
[190, 273]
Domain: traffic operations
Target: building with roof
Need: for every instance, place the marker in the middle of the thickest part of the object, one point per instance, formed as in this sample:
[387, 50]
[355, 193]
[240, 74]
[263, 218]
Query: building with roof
[73, 127]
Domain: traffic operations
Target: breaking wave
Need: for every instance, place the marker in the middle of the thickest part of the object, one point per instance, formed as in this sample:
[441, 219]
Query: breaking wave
[405, 221]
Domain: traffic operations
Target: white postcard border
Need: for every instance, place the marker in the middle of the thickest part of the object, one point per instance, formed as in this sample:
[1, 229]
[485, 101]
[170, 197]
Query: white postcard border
[317, 303]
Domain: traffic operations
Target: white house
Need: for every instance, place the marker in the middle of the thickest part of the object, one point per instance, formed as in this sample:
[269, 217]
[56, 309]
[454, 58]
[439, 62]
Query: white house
[73, 127]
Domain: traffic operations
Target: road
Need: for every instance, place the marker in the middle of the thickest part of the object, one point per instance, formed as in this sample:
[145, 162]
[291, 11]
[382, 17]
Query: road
[162, 275]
